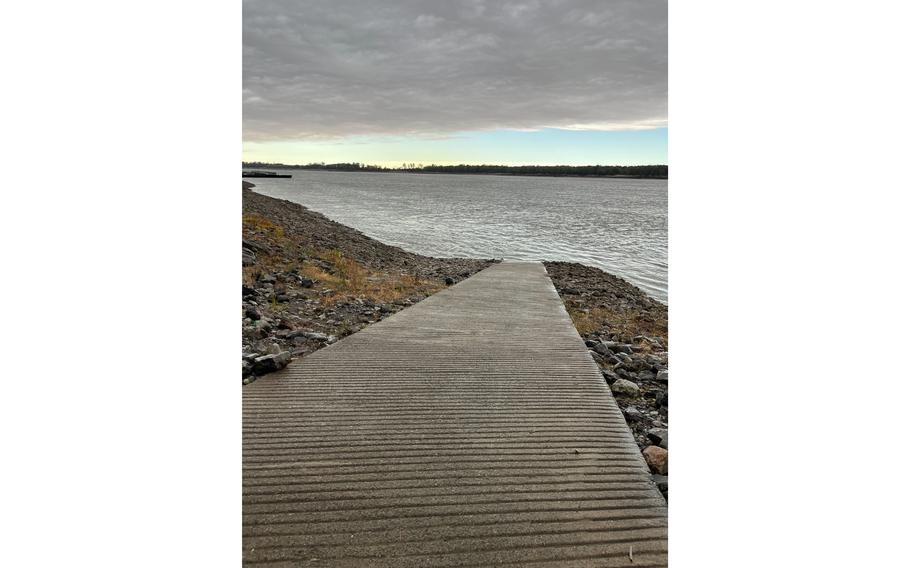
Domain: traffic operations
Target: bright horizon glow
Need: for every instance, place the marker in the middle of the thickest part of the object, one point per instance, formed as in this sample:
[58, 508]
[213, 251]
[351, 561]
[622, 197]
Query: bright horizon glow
[544, 147]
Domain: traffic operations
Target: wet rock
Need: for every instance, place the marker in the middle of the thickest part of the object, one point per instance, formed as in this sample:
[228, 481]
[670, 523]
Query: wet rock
[623, 387]
[652, 359]
[617, 347]
[270, 363]
[614, 360]
[625, 373]
[658, 436]
[656, 458]
[646, 375]
[603, 349]
[633, 416]
[610, 376]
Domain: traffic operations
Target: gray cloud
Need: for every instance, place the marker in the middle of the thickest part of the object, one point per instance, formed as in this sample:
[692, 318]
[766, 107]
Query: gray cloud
[340, 68]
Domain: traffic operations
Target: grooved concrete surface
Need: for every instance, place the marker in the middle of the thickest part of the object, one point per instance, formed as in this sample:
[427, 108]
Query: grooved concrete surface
[472, 429]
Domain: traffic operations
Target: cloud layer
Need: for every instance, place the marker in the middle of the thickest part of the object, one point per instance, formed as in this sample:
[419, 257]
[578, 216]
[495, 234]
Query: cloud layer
[324, 69]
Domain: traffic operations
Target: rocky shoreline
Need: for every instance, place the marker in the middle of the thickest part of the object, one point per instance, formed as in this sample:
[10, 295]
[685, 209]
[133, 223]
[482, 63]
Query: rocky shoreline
[309, 281]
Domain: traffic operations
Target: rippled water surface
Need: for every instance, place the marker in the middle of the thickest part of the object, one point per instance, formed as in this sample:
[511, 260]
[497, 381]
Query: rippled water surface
[617, 225]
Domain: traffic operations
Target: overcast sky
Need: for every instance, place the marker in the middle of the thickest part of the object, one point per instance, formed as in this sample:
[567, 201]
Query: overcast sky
[337, 77]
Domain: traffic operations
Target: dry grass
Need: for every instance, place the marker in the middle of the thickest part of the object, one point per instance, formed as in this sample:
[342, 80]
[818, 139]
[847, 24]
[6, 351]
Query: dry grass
[396, 288]
[344, 277]
[315, 273]
[382, 289]
[587, 322]
[352, 274]
[249, 275]
[623, 322]
[260, 224]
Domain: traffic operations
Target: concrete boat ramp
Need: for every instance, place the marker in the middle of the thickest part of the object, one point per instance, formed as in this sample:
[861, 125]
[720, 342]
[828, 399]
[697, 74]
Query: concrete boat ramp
[471, 429]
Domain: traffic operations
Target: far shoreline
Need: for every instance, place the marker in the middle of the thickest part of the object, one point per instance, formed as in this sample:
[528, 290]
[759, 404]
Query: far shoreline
[578, 176]
[348, 168]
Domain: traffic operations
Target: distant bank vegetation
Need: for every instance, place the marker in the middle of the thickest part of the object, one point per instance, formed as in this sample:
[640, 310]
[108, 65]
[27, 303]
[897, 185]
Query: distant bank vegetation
[653, 172]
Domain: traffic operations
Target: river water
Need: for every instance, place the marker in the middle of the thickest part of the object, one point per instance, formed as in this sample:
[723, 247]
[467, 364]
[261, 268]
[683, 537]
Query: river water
[618, 225]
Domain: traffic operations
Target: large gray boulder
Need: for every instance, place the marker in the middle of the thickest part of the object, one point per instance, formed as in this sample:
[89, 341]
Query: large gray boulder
[623, 387]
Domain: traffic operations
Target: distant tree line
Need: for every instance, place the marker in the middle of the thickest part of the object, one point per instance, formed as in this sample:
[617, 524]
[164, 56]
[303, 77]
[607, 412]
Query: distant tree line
[655, 171]
[659, 171]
